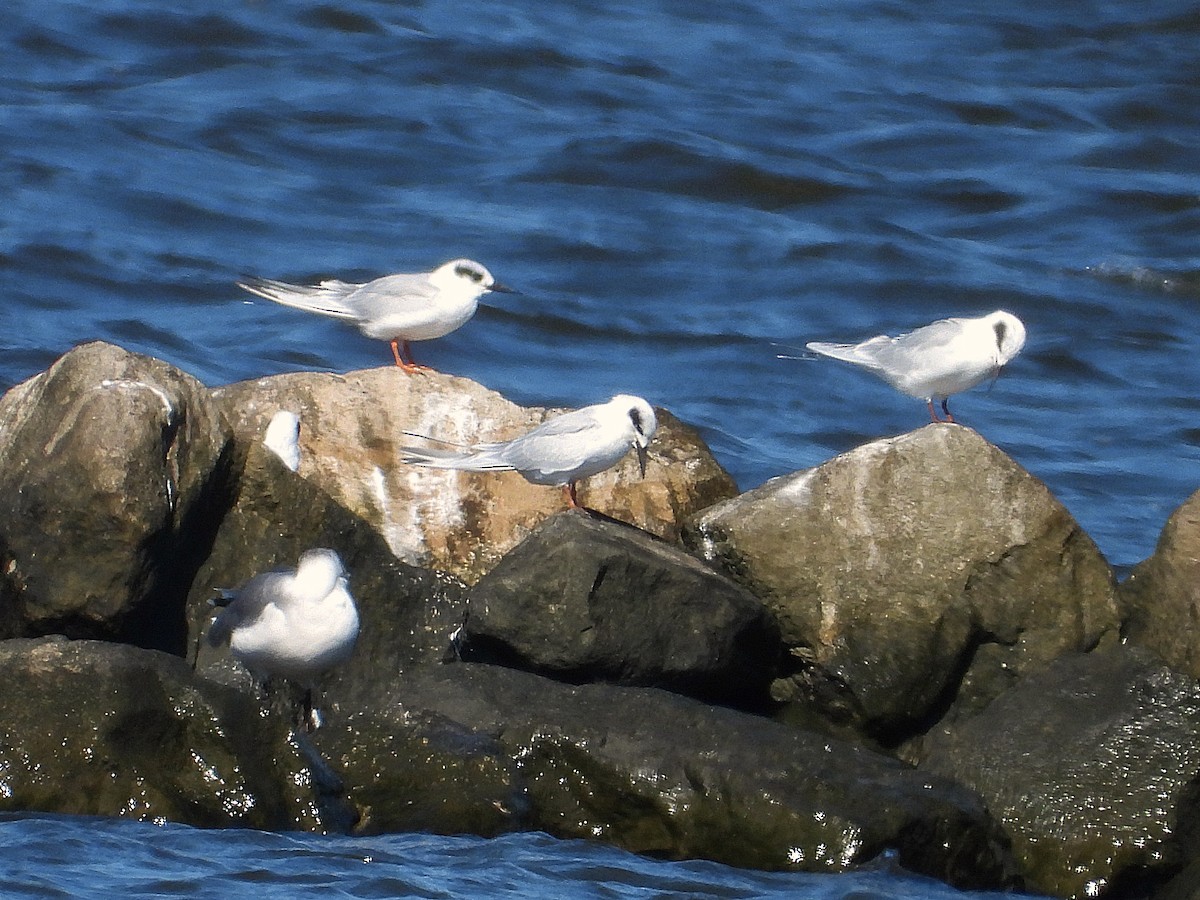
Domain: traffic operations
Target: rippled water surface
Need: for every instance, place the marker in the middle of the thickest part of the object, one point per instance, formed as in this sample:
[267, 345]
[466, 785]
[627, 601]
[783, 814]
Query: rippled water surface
[676, 188]
[59, 856]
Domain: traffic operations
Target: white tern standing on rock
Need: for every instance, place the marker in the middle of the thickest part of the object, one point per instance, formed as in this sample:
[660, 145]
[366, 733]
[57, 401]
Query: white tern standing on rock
[397, 308]
[561, 450]
[933, 362]
[294, 624]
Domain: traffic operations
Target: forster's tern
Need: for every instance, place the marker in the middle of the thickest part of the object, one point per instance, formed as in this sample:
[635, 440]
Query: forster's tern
[561, 450]
[944, 358]
[294, 624]
[396, 308]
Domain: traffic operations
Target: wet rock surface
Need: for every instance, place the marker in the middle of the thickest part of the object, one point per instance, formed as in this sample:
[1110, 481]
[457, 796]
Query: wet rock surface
[97, 728]
[1092, 766]
[658, 773]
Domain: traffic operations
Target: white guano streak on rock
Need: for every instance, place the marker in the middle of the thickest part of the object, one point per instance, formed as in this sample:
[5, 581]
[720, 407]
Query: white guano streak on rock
[430, 496]
[128, 384]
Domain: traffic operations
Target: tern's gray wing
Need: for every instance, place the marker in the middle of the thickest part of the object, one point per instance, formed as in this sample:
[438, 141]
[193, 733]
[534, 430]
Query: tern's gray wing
[561, 444]
[377, 298]
[248, 603]
[910, 350]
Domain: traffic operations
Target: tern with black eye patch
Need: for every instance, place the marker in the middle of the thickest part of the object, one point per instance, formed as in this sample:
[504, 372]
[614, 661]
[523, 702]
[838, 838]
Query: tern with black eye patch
[944, 358]
[396, 308]
[560, 451]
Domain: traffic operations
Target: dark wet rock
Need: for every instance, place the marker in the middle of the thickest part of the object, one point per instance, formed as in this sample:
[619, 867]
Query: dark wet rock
[92, 727]
[422, 772]
[1161, 597]
[658, 773]
[408, 616]
[109, 464]
[583, 599]
[1092, 765]
[1184, 886]
[912, 576]
[352, 426]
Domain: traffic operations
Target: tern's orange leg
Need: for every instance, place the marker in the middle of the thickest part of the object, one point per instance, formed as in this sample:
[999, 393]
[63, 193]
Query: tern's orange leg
[569, 495]
[406, 364]
[946, 409]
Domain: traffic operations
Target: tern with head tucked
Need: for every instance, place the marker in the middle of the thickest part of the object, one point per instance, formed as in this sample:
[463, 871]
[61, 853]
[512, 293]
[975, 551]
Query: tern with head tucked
[561, 450]
[938, 360]
[396, 308]
[292, 623]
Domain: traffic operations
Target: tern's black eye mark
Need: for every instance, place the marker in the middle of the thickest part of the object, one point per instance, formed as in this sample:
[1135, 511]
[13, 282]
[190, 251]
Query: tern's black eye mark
[1001, 330]
[468, 272]
[635, 416]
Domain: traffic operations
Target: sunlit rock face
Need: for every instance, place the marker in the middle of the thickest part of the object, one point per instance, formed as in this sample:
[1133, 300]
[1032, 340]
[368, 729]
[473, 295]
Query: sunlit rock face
[912, 575]
[352, 428]
[112, 466]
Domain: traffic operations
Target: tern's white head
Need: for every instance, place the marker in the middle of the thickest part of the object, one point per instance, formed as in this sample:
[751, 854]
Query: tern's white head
[318, 573]
[642, 423]
[465, 277]
[1010, 335]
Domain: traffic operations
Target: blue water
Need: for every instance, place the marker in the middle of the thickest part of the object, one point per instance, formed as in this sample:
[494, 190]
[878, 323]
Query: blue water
[675, 187]
[56, 856]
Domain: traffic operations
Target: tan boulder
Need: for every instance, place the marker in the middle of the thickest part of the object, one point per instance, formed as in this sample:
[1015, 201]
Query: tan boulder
[1161, 597]
[352, 426]
[912, 574]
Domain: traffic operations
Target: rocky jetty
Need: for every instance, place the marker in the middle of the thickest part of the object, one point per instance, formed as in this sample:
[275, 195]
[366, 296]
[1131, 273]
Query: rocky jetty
[912, 648]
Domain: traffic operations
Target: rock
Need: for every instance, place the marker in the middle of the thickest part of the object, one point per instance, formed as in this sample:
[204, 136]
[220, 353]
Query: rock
[408, 616]
[1184, 886]
[658, 773]
[1161, 597]
[1091, 765]
[912, 575]
[583, 599]
[462, 523]
[423, 772]
[110, 463]
[96, 728]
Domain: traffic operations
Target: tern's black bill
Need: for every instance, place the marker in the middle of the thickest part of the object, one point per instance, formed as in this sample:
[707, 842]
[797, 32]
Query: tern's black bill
[502, 288]
[642, 456]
